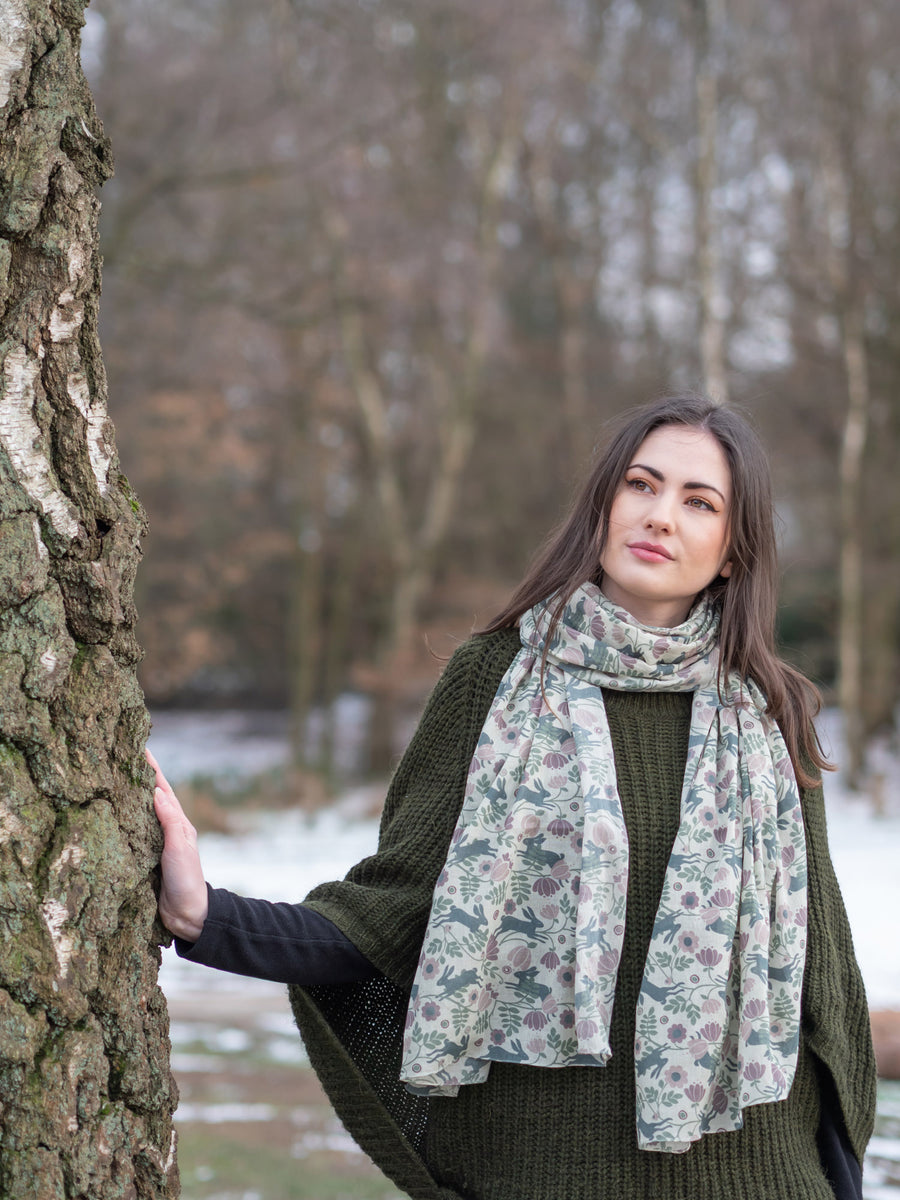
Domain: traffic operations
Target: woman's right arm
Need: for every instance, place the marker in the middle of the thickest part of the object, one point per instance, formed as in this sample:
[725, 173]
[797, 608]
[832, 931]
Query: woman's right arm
[377, 914]
[287, 943]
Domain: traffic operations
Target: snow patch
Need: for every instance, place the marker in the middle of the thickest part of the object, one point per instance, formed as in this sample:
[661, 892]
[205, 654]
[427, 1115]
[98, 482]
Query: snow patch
[875, 1189]
[13, 44]
[335, 1140]
[23, 442]
[881, 1147]
[865, 850]
[219, 1114]
[204, 1063]
[48, 661]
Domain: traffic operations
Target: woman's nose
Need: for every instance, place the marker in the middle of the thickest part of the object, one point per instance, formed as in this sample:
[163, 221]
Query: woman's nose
[661, 514]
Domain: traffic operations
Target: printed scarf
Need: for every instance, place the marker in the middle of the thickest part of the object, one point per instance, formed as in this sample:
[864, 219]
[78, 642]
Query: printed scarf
[521, 953]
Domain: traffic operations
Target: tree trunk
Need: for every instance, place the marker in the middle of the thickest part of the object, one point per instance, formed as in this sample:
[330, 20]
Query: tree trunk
[339, 615]
[86, 1091]
[712, 322]
[850, 636]
[837, 179]
[307, 570]
[572, 281]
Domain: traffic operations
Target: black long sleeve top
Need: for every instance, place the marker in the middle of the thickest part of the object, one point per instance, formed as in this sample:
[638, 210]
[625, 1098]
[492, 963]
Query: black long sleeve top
[287, 943]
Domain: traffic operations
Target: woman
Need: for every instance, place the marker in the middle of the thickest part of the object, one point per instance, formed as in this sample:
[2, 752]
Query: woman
[601, 951]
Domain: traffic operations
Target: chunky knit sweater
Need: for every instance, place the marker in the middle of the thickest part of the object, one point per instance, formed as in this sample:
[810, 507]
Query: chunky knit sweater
[531, 1133]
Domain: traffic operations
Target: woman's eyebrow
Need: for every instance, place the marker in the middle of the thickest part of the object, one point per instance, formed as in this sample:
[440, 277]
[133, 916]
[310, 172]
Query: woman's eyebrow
[689, 485]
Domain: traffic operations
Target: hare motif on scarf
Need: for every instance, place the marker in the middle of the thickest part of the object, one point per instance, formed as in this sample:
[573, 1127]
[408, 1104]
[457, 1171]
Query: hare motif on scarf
[520, 957]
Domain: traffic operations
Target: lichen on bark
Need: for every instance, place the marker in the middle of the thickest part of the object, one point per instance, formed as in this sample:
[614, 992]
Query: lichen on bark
[86, 1094]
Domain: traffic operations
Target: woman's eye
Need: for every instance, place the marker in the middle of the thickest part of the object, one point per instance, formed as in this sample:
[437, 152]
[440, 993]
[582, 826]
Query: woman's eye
[639, 485]
[699, 502]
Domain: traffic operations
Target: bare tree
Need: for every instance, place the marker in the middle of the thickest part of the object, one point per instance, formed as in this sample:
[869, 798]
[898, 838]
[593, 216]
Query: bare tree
[455, 382]
[838, 59]
[849, 308]
[708, 22]
[667, 158]
[87, 1092]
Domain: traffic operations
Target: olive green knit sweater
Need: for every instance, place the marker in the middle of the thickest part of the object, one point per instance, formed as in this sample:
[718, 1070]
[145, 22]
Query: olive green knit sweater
[529, 1133]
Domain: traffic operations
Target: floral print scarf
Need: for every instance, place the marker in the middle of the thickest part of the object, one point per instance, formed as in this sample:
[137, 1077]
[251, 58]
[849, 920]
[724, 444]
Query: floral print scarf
[522, 949]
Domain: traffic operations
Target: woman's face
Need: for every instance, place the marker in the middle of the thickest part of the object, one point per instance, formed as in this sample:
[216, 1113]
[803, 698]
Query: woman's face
[668, 526]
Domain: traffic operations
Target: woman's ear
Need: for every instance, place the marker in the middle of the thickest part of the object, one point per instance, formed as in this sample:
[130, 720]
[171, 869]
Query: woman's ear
[725, 570]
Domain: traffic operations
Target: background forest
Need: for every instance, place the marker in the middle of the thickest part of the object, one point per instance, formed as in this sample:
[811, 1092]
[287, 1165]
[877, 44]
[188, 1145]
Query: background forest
[376, 273]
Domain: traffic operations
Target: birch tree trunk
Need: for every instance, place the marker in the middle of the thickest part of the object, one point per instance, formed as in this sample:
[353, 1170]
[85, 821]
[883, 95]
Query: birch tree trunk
[708, 18]
[850, 634]
[850, 310]
[85, 1090]
[572, 287]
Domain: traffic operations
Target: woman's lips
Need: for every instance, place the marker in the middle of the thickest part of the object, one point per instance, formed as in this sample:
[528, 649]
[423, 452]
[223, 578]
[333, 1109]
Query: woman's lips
[650, 553]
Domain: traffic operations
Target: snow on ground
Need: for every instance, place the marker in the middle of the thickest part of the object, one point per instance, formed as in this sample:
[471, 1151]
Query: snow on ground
[233, 744]
[227, 745]
[866, 854]
[865, 849]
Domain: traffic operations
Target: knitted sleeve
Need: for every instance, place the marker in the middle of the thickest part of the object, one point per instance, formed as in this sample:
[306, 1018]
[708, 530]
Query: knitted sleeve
[382, 905]
[835, 1012]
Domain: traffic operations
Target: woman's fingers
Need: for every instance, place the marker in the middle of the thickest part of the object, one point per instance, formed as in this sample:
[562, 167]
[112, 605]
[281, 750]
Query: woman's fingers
[167, 805]
[172, 817]
[161, 781]
[183, 903]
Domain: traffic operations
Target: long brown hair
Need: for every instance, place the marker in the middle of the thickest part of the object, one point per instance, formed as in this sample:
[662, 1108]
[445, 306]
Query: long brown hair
[747, 599]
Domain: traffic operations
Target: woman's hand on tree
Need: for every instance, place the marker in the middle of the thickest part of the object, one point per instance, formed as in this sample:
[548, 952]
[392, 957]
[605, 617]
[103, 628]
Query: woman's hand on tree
[183, 903]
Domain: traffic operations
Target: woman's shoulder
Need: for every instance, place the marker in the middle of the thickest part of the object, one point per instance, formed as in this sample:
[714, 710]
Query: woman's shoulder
[480, 662]
[498, 644]
[448, 729]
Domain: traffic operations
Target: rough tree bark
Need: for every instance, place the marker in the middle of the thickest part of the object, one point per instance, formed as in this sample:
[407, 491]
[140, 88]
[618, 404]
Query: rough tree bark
[86, 1095]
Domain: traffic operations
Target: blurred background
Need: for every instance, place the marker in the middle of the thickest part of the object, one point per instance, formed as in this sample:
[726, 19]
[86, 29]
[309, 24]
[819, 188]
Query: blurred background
[376, 274]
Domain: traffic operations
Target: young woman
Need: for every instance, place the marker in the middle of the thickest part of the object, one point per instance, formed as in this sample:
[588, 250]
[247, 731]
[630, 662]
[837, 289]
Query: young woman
[600, 951]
